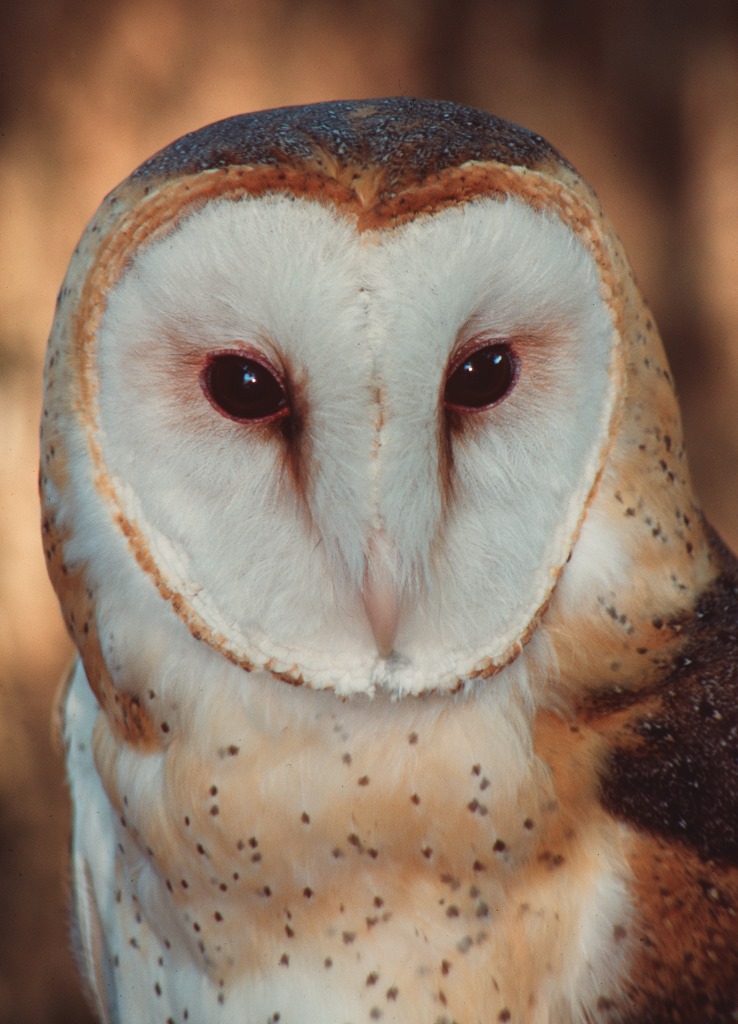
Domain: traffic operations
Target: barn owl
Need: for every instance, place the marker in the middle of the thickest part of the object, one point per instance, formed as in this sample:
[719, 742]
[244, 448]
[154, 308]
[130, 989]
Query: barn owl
[406, 688]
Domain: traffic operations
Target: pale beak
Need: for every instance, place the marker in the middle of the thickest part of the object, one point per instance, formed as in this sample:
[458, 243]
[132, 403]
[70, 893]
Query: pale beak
[381, 600]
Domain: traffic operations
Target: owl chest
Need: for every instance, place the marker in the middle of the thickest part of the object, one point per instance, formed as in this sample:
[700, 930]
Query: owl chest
[319, 877]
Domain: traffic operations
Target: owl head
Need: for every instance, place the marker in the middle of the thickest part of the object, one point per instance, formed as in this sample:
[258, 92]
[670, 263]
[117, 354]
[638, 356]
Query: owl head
[362, 396]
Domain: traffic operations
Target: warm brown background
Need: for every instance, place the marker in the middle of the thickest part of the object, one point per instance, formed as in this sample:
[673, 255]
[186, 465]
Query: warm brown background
[641, 95]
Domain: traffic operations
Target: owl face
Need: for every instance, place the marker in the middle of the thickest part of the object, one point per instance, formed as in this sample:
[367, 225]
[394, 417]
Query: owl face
[345, 416]
[365, 455]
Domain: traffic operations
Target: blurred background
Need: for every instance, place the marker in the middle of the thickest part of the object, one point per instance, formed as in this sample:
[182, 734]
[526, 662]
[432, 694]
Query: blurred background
[641, 95]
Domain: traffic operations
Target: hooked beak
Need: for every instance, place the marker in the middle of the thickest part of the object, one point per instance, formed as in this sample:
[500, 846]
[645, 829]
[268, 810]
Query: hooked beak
[379, 591]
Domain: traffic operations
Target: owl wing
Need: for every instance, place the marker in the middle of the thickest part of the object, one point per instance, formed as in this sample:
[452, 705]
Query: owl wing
[670, 776]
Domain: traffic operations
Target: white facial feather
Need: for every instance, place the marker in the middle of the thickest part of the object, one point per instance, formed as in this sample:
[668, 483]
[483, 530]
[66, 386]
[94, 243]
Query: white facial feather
[364, 328]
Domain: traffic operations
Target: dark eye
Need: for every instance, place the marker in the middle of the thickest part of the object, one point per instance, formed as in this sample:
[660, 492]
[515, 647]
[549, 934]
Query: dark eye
[244, 389]
[483, 378]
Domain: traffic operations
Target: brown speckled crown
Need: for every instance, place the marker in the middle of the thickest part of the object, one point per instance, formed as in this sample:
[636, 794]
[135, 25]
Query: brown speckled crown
[408, 139]
[383, 161]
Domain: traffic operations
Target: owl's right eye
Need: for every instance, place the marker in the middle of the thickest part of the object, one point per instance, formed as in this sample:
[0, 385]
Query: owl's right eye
[243, 388]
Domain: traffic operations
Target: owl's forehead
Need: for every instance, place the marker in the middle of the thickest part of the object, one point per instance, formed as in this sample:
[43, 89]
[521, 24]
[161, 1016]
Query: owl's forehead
[396, 142]
[381, 161]
[379, 164]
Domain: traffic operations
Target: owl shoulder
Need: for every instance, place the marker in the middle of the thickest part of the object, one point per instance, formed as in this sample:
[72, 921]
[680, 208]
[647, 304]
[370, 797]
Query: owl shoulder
[670, 776]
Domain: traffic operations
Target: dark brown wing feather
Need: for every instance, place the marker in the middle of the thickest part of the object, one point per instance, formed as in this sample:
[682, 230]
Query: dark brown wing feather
[671, 774]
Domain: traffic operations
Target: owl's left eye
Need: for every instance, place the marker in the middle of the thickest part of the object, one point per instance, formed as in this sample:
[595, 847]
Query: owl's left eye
[243, 388]
[482, 378]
